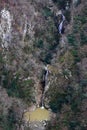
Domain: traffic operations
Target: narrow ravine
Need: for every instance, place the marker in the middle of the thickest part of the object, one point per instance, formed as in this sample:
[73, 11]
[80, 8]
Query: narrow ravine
[45, 81]
[61, 25]
[41, 113]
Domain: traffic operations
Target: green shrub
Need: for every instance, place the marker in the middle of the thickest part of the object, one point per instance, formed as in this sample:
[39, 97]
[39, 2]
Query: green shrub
[72, 40]
[27, 49]
[46, 57]
[11, 84]
[11, 118]
[7, 122]
[27, 90]
[47, 12]
[39, 43]
[17, 88]
[27, 37]
[80, 19]
[53, 127]
[1, 58]
[74, 53]
[77, 58]
[67, 15]
[83, 82]
[62, 3]
[75, 105]
[83, 38]
[73, 124]
[57, 101]
[53, 46]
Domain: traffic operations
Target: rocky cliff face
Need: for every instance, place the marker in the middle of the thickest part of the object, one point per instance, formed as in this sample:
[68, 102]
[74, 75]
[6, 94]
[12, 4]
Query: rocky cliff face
[30, 41]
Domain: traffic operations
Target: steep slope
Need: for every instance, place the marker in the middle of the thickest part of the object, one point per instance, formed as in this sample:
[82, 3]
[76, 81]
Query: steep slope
[29, 42]
[69, 86]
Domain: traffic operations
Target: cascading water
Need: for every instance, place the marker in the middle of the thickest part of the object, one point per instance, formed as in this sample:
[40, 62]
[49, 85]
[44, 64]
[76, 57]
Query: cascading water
[42, 101]
[25, 28]
[40, 114]
[5, 27]
[46, 75]
[60, 28]
[45, 83]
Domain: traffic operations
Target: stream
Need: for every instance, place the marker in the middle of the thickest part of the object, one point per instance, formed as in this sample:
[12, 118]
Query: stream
[5, 32]
[40, 113]
[60, 27]
[45, 82]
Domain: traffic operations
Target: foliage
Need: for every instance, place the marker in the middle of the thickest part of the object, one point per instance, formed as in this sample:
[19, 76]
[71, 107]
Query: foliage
[56, 101]
[11, 118]
[27, 37]
[52, 126]
[27, 49]
[46, 12]
[75, 53]
[62, 3]
[83, 38]
[79, 29]
[70, 97]
[39, 43]
[72, 40]
[27, 91]
[11, 84]
[46, 54]
[73, 124]
[17, 88]
[1, 58]
[7, 122]
[83, 82]
[46, 57]
[67, 96]
[67, 15]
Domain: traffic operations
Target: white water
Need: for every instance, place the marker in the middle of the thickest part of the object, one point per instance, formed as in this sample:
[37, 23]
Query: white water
[61, 23]
[25, 28]
[63, 18]
[60, 27]
[47, 71]
[42, 107]
[5, 27]
[45, 87]
[42, 101]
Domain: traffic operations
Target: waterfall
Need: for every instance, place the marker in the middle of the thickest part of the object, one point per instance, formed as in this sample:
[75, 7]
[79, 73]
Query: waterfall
[63, 18]
[5, 27]
[25, 28]
[45, 84]
[42, 101]
[46, 75]
[60, 28]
